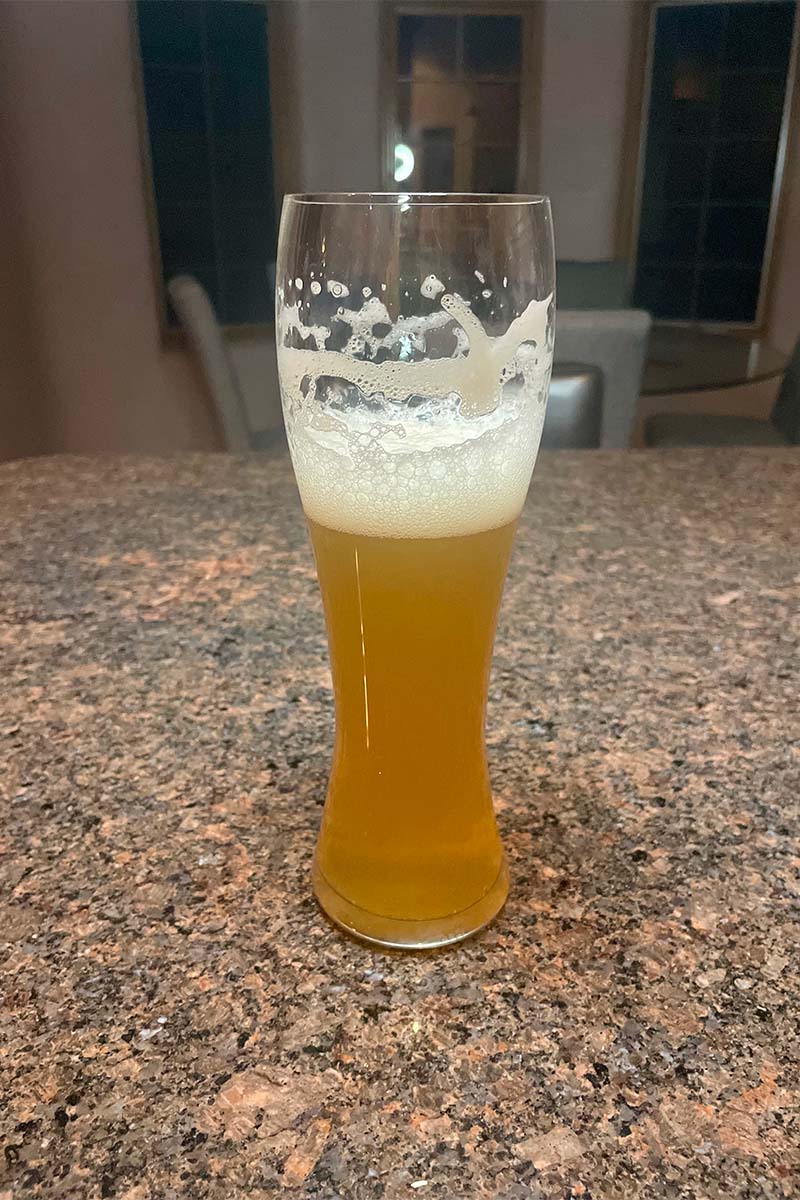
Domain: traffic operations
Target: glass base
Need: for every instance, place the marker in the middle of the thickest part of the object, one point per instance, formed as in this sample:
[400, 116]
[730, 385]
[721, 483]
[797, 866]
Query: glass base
[397, 934]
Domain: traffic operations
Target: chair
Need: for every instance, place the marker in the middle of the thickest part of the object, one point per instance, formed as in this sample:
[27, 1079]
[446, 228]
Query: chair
[196, 313]
[707, 429]
[615, 341]
[574, 408]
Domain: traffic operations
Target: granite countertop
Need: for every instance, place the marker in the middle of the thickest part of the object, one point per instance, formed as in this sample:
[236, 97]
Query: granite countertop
[179, 1020]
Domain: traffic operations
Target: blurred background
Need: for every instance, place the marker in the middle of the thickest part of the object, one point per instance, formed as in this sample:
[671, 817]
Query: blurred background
[146, 148]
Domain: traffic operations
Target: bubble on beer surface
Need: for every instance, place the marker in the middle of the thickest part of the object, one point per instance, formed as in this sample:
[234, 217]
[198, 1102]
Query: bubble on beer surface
[388, 442]
[337, 289]
[316, 287]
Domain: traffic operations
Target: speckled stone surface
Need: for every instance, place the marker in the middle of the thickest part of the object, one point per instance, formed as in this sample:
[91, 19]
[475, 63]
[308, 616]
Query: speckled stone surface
[178, 1018]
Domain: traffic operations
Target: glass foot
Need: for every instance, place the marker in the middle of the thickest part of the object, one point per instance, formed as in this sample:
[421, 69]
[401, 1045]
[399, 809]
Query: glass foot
[396, 934]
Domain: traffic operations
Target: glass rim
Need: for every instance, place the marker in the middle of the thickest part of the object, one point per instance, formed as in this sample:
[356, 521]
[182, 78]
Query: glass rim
[418, 199]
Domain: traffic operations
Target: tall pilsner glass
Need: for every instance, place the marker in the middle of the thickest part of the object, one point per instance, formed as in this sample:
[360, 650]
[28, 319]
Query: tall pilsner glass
[415, 341]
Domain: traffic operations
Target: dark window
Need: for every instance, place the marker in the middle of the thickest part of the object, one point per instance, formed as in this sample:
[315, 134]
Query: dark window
[206, 86]
[716, 107]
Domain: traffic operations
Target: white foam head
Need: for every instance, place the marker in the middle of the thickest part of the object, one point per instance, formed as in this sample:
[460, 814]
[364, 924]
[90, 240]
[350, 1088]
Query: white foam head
[435, 447]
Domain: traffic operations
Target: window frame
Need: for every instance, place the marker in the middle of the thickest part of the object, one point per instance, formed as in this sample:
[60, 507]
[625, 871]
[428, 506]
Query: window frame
[790, 118]
[530, 12]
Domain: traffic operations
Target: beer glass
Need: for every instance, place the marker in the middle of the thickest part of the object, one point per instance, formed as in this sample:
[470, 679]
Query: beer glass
[414, 337]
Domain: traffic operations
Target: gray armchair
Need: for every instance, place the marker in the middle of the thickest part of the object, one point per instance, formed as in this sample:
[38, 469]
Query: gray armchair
[228, 369]
[616, 342]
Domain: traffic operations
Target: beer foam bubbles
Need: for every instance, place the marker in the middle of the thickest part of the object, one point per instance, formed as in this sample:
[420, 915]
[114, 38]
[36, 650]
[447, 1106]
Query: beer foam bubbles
[388, 442]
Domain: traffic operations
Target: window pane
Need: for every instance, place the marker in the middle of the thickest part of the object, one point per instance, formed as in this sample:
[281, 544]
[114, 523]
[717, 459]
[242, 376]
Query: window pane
[736, 234]
[666, 292]
[181, 168]
[237, 36]
[239, 104]
[243, 238]
[669, 233]
[246, 295]
[751, 105]
[759, 35]
[171, 34]
[698, 29]
[492, 45]
[686, 165]
[175, 100]
[690, 112]
[206, 83]
[242, 173]
[187, 238]
[727, 294]
[743, 170]
[426, 46]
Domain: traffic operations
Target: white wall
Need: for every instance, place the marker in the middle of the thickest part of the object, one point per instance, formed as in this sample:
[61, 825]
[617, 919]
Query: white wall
[585, 60]
[328, 67]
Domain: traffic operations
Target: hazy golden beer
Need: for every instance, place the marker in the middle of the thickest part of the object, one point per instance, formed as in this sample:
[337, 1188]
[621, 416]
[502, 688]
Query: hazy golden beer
[414, 338]
[409, 832]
